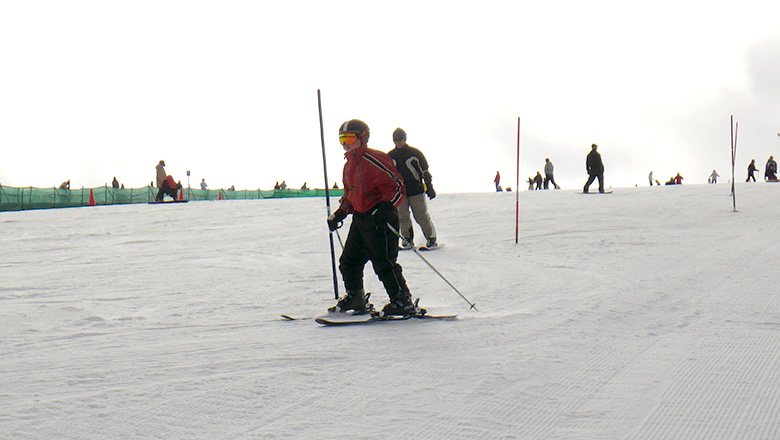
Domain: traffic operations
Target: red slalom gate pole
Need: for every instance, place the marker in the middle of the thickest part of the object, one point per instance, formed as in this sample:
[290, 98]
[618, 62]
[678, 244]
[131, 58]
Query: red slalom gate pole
[517, 187]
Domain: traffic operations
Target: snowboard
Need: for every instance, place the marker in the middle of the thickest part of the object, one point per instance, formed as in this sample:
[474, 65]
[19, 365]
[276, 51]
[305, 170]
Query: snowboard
[596, 192]
[335, 319]
[421, 248]
[168, 201]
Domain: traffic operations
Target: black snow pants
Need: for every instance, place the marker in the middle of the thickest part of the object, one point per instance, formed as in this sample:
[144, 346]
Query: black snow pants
[591, 178]
[370, 239]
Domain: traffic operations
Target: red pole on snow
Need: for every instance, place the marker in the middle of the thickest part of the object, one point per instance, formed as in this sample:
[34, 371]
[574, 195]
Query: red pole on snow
[517, 187]
[733, 160]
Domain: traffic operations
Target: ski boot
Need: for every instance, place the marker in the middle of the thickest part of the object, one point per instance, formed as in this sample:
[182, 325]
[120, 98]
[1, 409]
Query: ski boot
[402, 305]
[355, 300]
[432, 244]
[406, 244]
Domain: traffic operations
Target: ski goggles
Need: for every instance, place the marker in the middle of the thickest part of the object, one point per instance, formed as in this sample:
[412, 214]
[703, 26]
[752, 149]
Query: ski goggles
[348, 138]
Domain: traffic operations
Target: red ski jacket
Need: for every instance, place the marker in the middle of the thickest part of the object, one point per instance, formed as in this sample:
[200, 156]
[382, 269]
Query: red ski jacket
[170, 181]
[370, 178]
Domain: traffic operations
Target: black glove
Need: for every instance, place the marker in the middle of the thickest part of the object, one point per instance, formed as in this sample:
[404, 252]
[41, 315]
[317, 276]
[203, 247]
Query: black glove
[384, 212]
[335, 219]
[429, 185]
[431, 192]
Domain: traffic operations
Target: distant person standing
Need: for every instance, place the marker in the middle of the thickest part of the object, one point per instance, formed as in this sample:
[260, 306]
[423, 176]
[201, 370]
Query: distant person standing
[751, 169]
[203, 184]
[161, 174]
[497, 181]
[538, 180]
[678, 179]
[714, 177]
[650, 178]
[548, 174]
[115, 183]
[413, 167]
[770, 172]
[595, 168]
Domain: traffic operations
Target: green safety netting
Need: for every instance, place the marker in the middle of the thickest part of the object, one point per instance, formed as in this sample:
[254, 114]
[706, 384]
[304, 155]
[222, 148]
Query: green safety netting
[16, 199]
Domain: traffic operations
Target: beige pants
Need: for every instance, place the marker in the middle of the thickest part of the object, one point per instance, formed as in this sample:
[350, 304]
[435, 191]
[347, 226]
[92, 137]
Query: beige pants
[420, 210]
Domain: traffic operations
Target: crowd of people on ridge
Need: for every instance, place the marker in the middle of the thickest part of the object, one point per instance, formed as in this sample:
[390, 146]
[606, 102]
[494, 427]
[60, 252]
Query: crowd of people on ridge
[595, 169]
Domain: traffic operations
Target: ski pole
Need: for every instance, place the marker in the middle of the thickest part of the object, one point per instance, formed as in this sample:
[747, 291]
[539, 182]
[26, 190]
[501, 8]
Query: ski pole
[327, 201]
[471, 304]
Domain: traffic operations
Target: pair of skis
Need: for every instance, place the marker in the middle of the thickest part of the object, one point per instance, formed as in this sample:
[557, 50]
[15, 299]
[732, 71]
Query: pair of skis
[341, 319]
[372, 316]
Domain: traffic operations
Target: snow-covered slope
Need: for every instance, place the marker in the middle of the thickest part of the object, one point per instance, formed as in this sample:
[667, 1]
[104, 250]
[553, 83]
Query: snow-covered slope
[649, 313]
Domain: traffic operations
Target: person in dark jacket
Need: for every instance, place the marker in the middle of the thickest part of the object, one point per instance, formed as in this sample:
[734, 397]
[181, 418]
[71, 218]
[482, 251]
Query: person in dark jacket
[595, 168]
[372, 191]
[538, 180]
[751, 169]
[413, 167]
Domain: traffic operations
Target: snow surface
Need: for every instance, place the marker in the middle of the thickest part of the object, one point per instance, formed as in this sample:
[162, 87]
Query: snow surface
[650, 313]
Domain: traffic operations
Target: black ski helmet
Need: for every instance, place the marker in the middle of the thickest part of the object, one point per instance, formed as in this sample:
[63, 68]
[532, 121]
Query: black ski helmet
[356, 126]
[399, 134]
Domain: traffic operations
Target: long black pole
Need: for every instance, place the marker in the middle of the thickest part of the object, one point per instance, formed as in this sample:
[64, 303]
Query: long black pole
[327, 200]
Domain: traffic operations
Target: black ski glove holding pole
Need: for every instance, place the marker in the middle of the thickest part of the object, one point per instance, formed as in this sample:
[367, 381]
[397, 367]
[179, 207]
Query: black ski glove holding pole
[336, 219]
[384, 212]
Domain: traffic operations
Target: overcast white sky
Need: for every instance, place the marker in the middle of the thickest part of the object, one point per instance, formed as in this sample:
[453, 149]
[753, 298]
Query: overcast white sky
[90, 90]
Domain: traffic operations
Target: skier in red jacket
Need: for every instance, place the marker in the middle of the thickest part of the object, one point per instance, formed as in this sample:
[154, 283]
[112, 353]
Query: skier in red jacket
[372, 191]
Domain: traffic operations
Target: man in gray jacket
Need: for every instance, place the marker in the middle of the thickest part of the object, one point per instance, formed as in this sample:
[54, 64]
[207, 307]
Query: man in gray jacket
[548, 174]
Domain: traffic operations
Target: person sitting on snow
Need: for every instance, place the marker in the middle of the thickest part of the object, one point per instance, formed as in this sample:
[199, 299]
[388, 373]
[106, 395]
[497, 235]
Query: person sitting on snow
[168, 186]
[770, 172]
